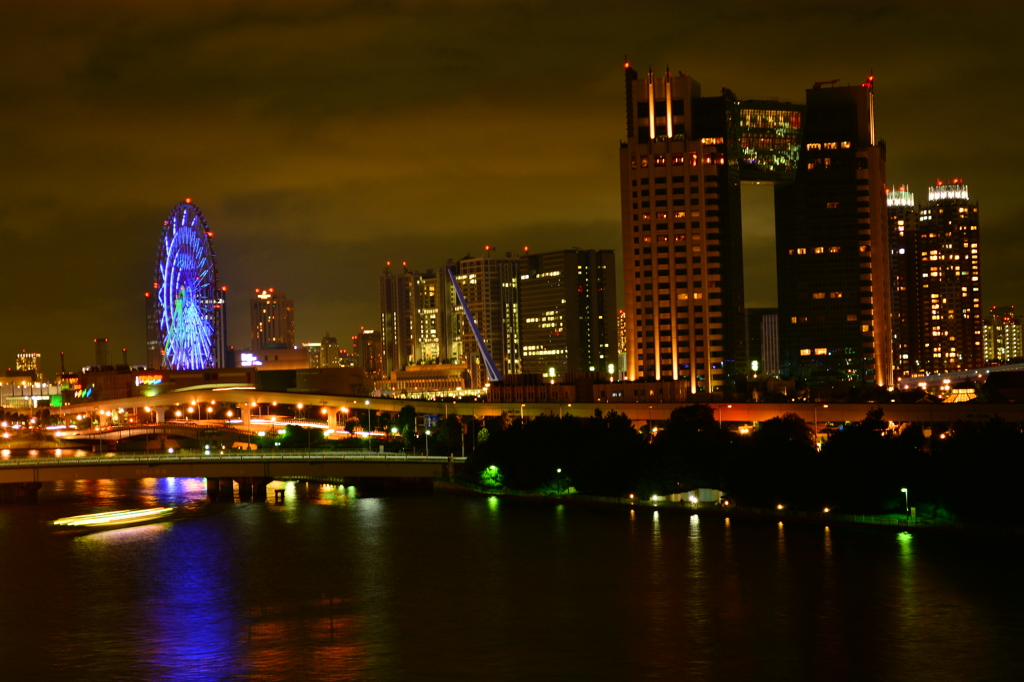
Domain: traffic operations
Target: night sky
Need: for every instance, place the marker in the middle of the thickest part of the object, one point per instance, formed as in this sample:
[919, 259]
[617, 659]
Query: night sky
[321, 139]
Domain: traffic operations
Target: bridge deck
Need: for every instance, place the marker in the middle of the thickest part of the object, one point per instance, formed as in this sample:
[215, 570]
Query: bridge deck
[287, 464]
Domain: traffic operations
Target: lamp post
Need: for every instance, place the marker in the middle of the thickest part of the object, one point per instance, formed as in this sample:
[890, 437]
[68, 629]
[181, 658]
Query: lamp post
[906, 500]
[426, 442]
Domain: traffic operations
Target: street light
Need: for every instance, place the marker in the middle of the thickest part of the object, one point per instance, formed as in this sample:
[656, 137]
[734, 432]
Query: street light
[906, 499]
[427, 441]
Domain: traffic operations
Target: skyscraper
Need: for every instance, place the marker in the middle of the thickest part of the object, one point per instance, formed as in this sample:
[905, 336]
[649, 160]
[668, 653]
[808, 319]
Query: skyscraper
[567, 317]
[272, 320]
[832, 246]
[412, 321]
[681, 233]
[948, 238]
[905, 281]
[490, 285]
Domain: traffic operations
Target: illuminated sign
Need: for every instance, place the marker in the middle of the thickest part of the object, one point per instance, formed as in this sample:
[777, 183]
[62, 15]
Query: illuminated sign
[250, 360]
[149, 379]
[83, 393]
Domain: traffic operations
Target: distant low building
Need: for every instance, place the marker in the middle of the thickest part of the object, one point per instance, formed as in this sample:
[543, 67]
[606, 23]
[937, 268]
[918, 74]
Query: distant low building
[1003, 340]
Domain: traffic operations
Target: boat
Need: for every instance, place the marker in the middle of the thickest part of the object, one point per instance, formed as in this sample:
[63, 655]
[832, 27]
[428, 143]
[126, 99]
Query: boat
[115, 519]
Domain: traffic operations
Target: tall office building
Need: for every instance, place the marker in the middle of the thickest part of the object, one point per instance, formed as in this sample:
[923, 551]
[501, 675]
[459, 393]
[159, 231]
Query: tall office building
[905, 282]
[1003, 340]
[396, 318]
[950, 280]
[490, 286]
[567, 317]
[681, 233]
[413, 325]
[272, 320]
[832, 246]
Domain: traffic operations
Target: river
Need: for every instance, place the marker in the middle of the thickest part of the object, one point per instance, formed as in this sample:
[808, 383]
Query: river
[329, 586]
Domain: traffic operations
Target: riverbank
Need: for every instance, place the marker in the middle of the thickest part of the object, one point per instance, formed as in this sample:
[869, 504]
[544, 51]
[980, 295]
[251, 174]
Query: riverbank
[456, 487]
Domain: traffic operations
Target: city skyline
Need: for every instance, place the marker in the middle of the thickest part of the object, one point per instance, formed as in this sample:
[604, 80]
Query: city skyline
[365, 129]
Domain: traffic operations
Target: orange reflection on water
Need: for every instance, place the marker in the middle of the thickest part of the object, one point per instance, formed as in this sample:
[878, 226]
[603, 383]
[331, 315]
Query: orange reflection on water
[320, 636]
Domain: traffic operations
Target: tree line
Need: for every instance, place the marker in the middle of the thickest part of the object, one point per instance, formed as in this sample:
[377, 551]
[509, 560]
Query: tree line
[966, 471]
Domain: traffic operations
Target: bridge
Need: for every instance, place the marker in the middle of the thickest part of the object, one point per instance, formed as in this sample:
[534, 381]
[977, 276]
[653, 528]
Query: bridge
[21, 477]
[331, 408]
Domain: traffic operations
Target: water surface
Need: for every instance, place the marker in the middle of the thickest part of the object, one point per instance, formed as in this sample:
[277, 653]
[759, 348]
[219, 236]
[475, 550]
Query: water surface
[331, 587]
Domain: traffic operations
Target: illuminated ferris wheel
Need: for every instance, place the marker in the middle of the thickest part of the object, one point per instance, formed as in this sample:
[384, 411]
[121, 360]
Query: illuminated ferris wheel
[187, 295]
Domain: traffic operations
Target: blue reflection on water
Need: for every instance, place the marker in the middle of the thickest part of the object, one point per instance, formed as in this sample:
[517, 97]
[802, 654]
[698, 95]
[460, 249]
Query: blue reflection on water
[194, 623]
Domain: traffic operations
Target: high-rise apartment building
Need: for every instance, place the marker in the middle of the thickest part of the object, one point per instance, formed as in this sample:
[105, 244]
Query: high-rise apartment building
[1003, 340]
[905, 282]
[681, 233]
[832, 246]
[567, 317]
[272, 320]
[948, 239]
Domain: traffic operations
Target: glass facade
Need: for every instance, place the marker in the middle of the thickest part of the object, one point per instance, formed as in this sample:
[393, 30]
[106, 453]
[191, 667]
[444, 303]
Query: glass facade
[769, 140]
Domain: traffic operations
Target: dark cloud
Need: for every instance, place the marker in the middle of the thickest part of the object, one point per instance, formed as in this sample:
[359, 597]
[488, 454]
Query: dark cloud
[323, 138]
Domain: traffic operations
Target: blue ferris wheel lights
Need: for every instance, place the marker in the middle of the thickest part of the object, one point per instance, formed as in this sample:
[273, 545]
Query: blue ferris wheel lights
[186, 290]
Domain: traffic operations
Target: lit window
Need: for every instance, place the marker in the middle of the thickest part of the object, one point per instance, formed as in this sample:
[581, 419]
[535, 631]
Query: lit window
[801, 252]
[832, 204]
[833, 249]
[818, 294]
[819, 249]
[820, 351]
[805, 351]
[835, 294]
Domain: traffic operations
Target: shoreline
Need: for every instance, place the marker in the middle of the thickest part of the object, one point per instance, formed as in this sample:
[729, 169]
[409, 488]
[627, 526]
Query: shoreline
[450, 487]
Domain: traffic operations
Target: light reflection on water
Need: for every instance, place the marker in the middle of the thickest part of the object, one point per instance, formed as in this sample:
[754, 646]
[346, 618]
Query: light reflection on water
[332, 586]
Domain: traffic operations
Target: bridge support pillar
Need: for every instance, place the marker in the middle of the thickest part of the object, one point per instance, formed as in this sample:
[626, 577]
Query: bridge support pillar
[227, 490]
[20, 493]
[253, 488]
[213, 489]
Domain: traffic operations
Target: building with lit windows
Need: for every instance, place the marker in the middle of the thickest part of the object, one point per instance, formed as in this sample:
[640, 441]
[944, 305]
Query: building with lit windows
[272, 320]
[681, 233]
[948, 239]
[490, 285]
[413, 320]
[1003, 340]
[832, 246]
[29, 362]
[905, 281]
[567, 317]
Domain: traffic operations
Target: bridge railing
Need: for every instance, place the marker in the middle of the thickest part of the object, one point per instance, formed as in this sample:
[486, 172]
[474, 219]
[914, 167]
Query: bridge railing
[263, 456]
